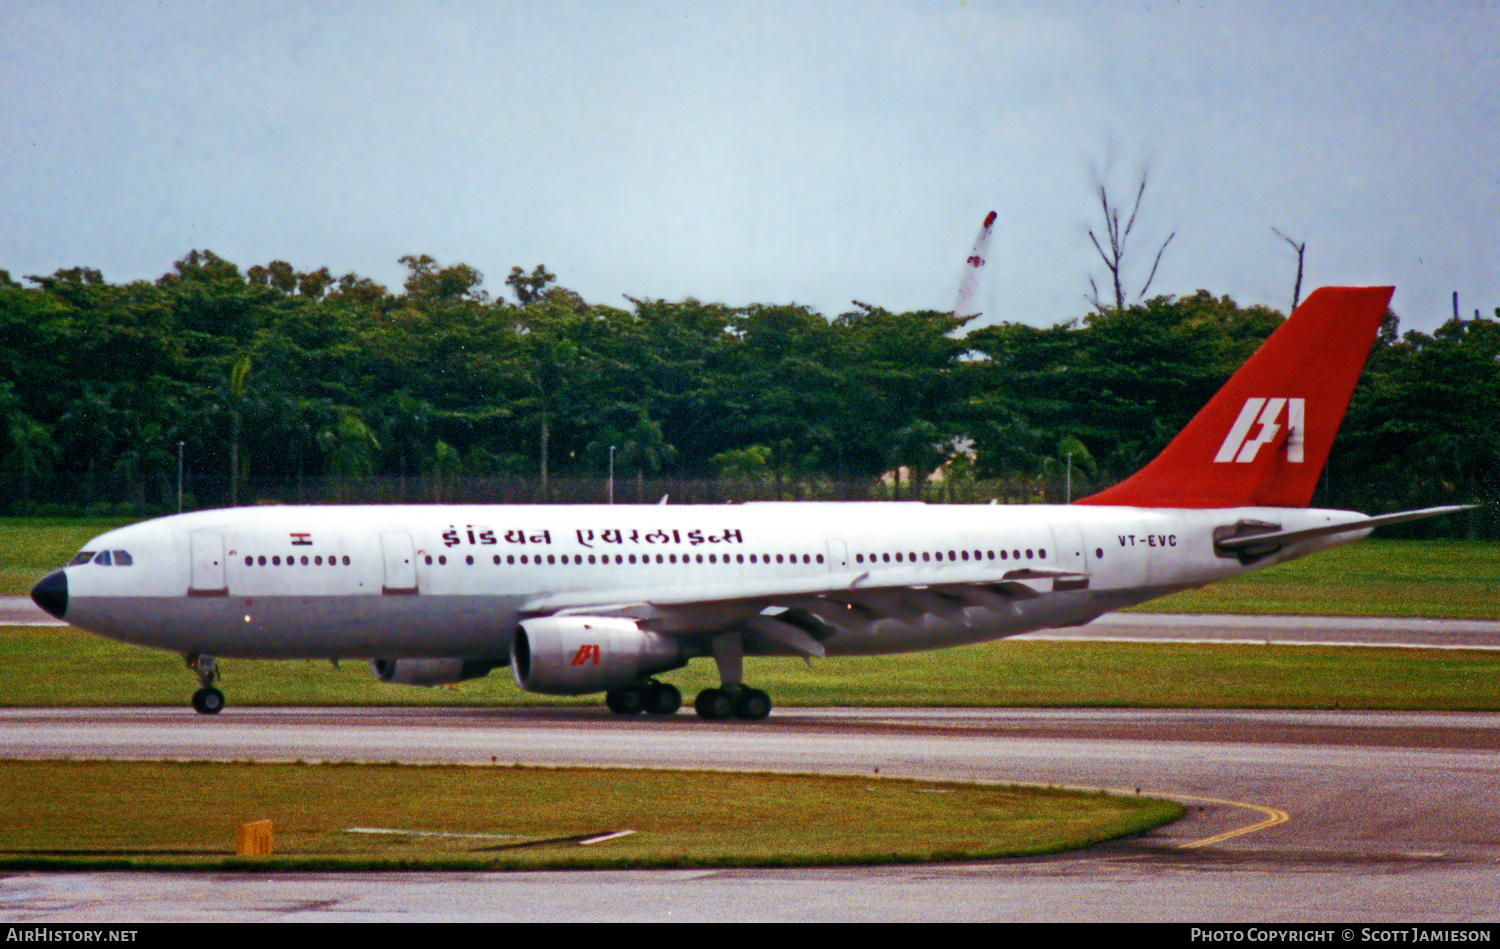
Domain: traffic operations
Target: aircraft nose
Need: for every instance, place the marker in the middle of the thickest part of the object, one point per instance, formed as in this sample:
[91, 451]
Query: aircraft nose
[51, 593]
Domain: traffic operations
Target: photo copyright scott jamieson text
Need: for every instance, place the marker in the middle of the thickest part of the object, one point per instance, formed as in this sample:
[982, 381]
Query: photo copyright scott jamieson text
[1344, 934]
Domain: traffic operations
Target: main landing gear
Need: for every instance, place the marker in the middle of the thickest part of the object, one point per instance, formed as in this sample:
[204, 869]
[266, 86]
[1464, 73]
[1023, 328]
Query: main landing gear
[207, 700]
[653, 698]
[740, 702]
[732, 699]
[659, 698]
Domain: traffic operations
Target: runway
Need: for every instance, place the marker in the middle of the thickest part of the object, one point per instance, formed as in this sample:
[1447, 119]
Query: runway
[1293, 816]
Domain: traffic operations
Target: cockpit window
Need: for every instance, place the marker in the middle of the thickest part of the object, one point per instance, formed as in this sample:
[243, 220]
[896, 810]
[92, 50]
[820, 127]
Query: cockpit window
[103, 558]
[83, 556]
[123, 559]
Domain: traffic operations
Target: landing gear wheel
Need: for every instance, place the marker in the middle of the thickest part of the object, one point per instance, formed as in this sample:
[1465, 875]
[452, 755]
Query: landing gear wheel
[752, 705]
[208, 701]
[662, 699]
[714, 705]
[625, 700]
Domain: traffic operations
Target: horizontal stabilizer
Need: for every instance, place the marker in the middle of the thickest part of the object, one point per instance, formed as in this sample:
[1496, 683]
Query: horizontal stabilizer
[1257, 544]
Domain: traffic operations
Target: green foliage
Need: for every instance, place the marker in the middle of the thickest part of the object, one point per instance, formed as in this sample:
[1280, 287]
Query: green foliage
[273, 375]
[1424, 425]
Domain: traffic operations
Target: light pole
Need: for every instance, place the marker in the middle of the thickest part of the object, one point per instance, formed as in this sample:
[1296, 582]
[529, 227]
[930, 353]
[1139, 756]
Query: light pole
[179, 477]
[611, 474]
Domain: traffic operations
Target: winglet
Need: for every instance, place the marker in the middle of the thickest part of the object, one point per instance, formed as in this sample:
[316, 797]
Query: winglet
[1263, 439]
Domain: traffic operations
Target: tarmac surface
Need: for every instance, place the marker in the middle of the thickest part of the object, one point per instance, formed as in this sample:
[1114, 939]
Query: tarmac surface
[1301, 817]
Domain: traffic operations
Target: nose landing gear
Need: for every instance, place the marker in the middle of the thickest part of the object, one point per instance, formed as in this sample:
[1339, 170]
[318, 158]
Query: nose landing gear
[207, 700]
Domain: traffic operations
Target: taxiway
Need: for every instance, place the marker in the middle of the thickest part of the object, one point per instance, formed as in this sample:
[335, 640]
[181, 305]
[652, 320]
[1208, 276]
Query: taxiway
[1293, 816]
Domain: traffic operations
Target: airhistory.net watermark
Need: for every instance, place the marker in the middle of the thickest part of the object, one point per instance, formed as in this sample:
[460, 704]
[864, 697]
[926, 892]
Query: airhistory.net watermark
[67, 934]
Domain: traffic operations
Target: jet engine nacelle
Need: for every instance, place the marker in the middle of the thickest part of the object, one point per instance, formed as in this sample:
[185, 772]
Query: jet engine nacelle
[431, 671]
[573, 655]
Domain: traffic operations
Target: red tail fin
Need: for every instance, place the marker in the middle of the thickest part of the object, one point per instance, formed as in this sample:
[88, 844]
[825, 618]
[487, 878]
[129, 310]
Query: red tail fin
[1263, 439]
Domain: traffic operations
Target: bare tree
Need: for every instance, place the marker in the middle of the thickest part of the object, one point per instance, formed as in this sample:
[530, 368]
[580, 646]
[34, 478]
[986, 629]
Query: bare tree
[1300, 249]
[1118, 238]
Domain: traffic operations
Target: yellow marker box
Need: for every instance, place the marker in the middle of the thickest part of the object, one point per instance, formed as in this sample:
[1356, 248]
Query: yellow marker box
[253, 839]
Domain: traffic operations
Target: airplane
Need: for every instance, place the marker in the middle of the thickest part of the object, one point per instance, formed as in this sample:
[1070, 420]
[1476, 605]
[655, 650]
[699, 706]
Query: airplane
[590, 598]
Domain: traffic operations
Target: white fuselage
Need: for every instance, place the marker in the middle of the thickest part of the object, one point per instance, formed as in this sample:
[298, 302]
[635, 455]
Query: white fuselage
[453, 581]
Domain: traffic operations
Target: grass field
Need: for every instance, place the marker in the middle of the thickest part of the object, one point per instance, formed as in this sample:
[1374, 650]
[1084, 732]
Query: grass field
[1428, 578]
[51, 666]
[184, 815]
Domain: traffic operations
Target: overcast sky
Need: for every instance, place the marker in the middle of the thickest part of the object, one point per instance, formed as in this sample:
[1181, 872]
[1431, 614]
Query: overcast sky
[758, 152]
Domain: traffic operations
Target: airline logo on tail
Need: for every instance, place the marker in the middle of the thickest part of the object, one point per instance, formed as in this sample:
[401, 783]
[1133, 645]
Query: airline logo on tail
[1267, 413]
[1254, 444]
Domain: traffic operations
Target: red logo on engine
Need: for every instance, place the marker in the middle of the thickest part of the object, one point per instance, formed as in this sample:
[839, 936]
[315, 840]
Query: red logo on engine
[586, 654]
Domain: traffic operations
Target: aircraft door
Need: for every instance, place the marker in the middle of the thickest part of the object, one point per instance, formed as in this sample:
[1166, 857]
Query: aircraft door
[838, 556]
[207, 551]
[1068, 541]
[400, 563]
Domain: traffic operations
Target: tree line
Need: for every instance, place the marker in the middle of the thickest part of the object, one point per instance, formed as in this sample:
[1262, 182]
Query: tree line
[267, 377]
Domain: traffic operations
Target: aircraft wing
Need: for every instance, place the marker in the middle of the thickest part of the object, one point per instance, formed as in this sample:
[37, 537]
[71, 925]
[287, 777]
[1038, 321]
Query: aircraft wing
[799, 614]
